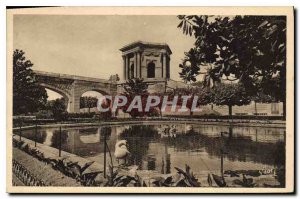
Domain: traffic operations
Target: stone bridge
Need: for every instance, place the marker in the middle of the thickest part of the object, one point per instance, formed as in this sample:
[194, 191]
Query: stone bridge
[71, 87]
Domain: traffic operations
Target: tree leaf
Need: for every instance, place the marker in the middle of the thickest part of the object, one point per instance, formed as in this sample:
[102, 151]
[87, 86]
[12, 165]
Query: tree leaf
[180, 24]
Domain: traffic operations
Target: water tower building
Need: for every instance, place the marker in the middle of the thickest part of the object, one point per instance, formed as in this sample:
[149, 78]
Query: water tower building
[150, 61]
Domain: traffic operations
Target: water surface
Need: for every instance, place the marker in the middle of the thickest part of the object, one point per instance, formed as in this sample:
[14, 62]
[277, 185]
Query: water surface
[162, 147]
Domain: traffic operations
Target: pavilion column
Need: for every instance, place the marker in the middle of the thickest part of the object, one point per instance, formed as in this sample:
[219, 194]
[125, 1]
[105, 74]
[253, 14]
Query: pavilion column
[164, 65]
[127, 67]
[138, 64]
[135, 65]
[124, 68]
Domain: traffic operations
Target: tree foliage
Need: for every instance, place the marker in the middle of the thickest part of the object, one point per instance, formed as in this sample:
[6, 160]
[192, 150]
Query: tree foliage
[88, 102]
[58, 108]
[247, 49]
[28, 96]
[200, 94]
[137, 87]
[230, 95]
[190, 67]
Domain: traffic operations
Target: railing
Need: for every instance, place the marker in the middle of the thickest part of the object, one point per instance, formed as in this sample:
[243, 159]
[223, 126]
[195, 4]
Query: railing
[21, 172]
[25, 176]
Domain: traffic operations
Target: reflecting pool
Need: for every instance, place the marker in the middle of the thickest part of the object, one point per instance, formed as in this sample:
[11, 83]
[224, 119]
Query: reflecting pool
[161, 147]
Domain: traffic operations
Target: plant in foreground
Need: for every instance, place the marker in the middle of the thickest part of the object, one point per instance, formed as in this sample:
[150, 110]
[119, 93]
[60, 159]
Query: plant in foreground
[246, 182]
[69, 168]
[116, 180]
[182, 179]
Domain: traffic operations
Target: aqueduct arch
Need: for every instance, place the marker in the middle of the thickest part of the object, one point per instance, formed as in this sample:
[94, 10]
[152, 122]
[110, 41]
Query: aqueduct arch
[71, 87]
[63, 93]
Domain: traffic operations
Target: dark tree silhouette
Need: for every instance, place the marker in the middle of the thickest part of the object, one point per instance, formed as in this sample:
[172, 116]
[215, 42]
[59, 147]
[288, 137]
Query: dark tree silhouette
[247, 49]
[58, 108]
[230, 95]
[28, 96]
[137, 87]
[201, 95]
[88, 102]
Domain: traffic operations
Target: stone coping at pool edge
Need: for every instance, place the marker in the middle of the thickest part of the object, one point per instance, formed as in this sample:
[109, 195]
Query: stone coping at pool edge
[252, 123]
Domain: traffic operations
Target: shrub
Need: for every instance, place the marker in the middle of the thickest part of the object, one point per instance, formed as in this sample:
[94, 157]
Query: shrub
[104, 115]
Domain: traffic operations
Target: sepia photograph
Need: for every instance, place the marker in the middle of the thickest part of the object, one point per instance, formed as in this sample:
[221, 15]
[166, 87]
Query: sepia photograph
[150, 100]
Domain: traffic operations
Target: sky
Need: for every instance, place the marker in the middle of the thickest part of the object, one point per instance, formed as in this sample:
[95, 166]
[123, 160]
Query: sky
[89, 45]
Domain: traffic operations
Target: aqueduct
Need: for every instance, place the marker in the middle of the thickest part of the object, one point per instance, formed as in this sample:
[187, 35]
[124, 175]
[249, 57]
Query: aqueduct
[71, 87]
[149, 61]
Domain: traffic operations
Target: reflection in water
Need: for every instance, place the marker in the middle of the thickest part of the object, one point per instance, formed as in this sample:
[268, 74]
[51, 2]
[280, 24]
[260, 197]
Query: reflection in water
[163, 147]
[138, 138]
[166, 161]
[89, 135]
[59, 137]
[105, 134]
[40, 136]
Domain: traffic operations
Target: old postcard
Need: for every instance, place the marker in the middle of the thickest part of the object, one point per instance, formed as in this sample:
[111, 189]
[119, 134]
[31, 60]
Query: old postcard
[150, 100]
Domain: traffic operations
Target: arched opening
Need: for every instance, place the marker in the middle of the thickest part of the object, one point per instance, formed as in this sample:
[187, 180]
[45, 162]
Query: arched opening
[131, 71]
[52, 95]
[57, 103]
[151, 70]
[89, 100]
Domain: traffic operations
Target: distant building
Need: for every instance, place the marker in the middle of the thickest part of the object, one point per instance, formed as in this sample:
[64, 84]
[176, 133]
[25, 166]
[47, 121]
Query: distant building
[150, 61]
[260, 109]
